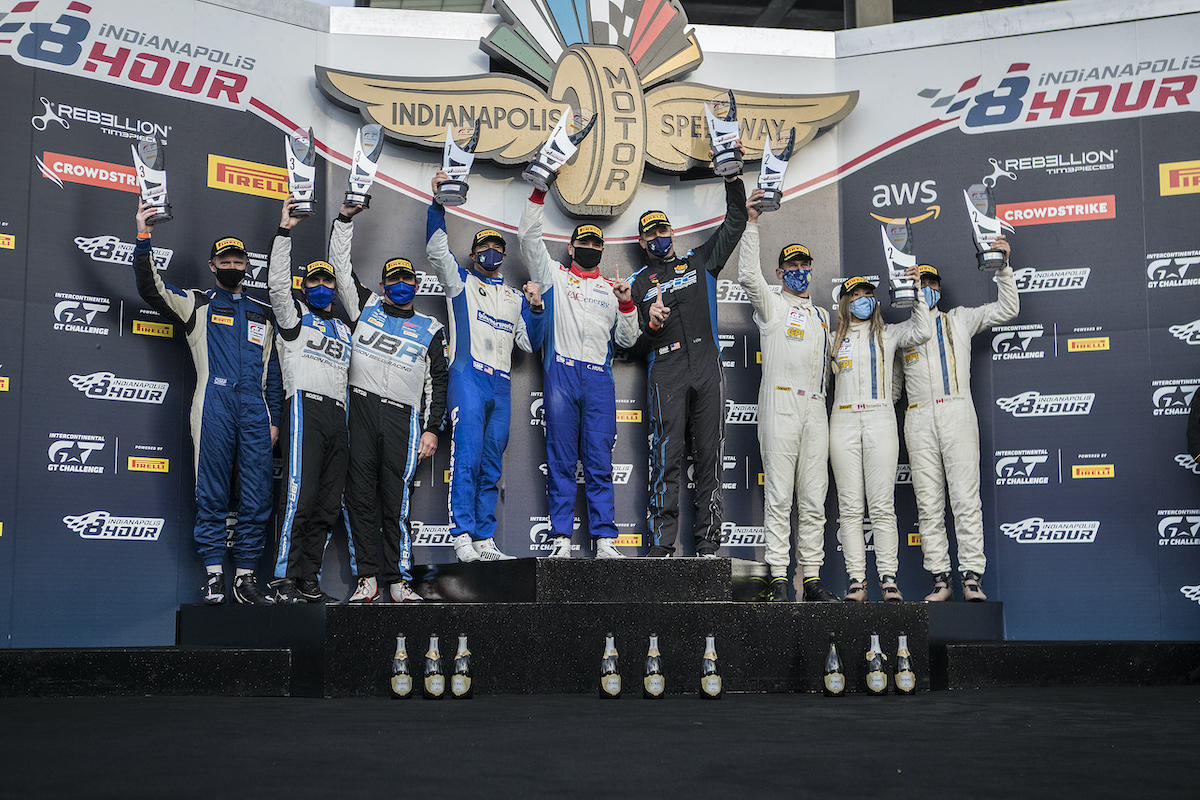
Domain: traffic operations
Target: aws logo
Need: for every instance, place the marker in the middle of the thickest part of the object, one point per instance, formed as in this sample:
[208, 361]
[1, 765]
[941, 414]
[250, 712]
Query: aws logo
[906, 194]
[614, 58]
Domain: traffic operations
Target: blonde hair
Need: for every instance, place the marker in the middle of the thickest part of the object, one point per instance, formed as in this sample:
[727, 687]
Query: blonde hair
[843, 326]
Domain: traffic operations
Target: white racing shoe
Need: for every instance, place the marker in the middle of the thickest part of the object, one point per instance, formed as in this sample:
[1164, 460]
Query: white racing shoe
[366, 591]
[560, 547]
[487, 551]
[606, 548]
[402, 593]
[464, 548]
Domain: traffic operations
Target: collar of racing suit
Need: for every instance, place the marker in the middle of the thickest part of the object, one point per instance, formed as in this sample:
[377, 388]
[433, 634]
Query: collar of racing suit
[234, 295]
[496, 281]
[393, 310]
[323, 313]
[578, 273]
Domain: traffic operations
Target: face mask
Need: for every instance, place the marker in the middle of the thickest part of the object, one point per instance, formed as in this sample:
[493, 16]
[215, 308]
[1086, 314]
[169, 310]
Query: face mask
[318, 296]
[862, 307]
[587, 258]
[659, 246]
[401, 293]
[796, 279]
[230, 278]
[489, 259]
[931, 295]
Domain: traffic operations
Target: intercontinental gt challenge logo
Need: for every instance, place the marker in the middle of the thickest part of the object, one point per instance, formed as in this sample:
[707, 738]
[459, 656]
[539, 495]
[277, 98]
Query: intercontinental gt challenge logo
[1178, 527]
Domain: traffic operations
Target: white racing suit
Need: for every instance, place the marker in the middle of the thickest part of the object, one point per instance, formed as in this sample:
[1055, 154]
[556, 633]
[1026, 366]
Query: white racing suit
[864, 445]
[942, 433]
[793, 426]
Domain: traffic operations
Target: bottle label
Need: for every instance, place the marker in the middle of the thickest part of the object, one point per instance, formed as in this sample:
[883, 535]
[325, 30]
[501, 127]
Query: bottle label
[711, 684]
[460, 685]
[401, 684]
[876, 681]
[835, 682]
[435, 684]
[655, 684]
[611, 684]
[906, 681]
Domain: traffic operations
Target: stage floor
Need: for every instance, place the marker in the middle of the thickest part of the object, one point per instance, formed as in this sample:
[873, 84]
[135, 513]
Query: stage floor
[1002, 743]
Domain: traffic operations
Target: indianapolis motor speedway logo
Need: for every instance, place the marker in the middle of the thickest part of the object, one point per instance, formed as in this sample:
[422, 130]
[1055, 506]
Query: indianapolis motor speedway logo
[617, 59]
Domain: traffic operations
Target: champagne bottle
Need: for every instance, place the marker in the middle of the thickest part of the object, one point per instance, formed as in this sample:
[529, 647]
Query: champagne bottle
[610, 671]
[435, 678]
[877, 681]
[654, 685]
[461, 685]
[905, 680]
[402, 684]
[710, 675]
[835, 679]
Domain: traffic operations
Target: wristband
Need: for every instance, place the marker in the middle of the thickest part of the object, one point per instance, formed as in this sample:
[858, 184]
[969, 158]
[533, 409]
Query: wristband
[143, 236]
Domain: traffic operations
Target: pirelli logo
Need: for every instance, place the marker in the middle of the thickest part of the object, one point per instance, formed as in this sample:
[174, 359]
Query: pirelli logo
[247, 177]
[634, 415]
[163, 329]
[914, 540]
[8, 241]
[3, 384]
[137, 464]
[446, 476]
[1093, 471]
[762, 479]
[758, 357]
[297, 282]
[1088, 345]
[1179, 177]
[629, 540]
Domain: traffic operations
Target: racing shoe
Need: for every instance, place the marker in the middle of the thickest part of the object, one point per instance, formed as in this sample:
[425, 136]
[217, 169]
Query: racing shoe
[606, 547]
[366, 591]
[972, 591]
[311, 590]
[487, 550]
[464, 548]
[245, 590]
[760, 588]
[402, 593]
[943, 589]
[856, 592]
[814, 592]
[284, 591]
[779, 590]
[891, 592]
[560, 547]
[214, 588]
[658, 551]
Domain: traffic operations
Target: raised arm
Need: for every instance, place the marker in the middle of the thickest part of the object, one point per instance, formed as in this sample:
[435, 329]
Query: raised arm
[529, 236]
[713, 254]
[437, 245]
[917, 329]
[279, 276]
[750, 274]
[1007, 304]
[172, 303]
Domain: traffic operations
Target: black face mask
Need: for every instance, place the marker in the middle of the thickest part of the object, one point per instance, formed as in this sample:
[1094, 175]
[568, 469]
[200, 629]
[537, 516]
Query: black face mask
[230, 278]
[587, 258]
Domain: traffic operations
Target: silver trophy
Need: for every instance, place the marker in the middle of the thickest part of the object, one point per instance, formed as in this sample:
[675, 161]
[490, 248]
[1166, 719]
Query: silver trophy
[457, 157]
[150, 162]
[770, 177]
[563, 143]
[368, 147]
[985, 225]
[898, 249]
[721, 113]
[302, 171]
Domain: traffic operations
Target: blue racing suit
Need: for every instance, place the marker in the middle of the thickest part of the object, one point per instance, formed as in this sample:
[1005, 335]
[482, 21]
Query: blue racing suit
[239, 396]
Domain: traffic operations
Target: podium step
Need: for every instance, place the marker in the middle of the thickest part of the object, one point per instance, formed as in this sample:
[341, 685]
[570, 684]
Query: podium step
[1022, 664]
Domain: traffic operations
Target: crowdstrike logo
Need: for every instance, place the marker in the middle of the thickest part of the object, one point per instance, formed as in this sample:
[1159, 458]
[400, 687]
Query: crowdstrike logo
[1036, 530]
[424, 535]
[1169, 270]
[734, 535]
[1036, 404]
[76, 313]
[111, 250]
[1189, 333]
[1179, 527]
[1010, 342]
[1188, 463]
[107, 386]
[72, 452]
[1173, 397]
[1051, 280]
[102, 525]
[1018, 467]
[741, 413]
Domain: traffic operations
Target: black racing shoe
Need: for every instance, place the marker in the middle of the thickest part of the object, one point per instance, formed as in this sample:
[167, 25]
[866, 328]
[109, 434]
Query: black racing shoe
[658, 551]
[283, 591]
[214, 588]
[814, 592]
[311, 591]
[761, 588]
[779, 590]
[245, 590]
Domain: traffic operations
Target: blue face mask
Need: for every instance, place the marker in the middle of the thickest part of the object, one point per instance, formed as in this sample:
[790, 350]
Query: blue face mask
[797, 279]
[489, 259]
[400, 293]
[659, 245]
[863, 307]
[318, 296]
[931, 295]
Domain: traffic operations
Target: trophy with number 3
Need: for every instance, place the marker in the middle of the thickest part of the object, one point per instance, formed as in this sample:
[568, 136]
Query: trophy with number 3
[985, 225]
[302, 171]
[898, 249]
[457, 157]
[150, 162]
[721, 113]
[368, 146]
[563, 143]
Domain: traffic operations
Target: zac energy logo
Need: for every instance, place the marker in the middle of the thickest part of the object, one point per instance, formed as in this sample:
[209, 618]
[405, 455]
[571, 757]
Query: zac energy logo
[102, 525]
[1178, 527]
[1035, 530]
[1173, 397]
[617, 59]
[1036, 404]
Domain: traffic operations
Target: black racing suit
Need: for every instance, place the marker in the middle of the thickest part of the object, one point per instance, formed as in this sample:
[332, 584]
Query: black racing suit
[687, 395]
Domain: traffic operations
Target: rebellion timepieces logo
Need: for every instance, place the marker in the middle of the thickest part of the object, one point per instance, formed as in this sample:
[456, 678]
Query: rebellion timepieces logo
[615, 58]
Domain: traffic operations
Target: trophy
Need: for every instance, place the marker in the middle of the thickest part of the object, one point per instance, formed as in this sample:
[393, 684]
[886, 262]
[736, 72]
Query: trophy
[985, 226]
[368, 147]
[302, 171]
[898, 249]
[149, 160]
[770, 177]
[563, 142]
[457, 157]
[721, 113]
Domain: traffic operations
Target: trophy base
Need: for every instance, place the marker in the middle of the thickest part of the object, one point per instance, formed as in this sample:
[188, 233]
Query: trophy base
[539, 176]
[161, 214]
[727, 162]
[305, 208]
[451, 193]
[771, 200]
[991, 259]
[360, 199]
[903, 298]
